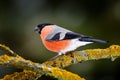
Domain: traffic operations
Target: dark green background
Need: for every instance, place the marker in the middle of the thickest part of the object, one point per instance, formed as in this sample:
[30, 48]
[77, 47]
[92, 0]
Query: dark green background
[96, 18]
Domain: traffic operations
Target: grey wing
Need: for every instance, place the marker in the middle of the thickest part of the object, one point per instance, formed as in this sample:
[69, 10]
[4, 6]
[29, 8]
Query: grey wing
[62, 34]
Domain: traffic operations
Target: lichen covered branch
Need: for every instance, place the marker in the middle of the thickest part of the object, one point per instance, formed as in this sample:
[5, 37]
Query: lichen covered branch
[33, 71]
[90, 54]
[37, 69]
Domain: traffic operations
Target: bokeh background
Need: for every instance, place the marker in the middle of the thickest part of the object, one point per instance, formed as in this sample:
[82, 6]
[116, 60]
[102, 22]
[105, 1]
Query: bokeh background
[96, 18]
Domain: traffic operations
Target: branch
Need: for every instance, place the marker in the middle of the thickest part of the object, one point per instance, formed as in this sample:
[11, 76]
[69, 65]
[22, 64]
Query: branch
[38, 69]
[112, 52]
[33, 71]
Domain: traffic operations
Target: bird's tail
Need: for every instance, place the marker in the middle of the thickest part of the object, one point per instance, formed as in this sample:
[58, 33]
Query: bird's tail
[88, 39]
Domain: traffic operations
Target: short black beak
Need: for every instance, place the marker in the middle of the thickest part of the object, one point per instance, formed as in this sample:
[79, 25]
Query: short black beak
[37, 30]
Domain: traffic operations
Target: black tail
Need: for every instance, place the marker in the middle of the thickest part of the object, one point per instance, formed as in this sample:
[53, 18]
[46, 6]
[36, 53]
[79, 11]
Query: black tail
[87, 39]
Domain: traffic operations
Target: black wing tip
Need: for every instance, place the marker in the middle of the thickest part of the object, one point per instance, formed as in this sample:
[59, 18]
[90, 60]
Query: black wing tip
[103, 41]
[93, 40]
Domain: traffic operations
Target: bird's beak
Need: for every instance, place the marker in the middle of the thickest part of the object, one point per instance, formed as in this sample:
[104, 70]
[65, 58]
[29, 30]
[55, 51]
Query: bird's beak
[37, 30]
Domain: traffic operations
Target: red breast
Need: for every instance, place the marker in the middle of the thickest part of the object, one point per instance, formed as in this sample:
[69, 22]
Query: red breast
[54, 46]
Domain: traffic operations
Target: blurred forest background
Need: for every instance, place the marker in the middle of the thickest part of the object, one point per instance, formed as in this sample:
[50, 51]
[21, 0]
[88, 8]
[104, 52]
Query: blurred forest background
[97, 18]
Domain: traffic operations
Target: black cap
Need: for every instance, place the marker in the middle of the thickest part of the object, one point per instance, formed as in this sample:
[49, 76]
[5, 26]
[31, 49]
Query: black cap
[41, 26]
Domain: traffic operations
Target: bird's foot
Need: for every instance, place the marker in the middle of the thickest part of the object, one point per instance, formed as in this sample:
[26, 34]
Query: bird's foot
[70, 53]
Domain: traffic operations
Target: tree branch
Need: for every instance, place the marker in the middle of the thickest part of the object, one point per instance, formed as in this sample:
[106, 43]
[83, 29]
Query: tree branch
[36, 70]
[90, 54]
[33, 71]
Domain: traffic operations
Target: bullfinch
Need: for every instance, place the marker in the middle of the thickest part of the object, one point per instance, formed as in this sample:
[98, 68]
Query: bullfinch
[60, 40]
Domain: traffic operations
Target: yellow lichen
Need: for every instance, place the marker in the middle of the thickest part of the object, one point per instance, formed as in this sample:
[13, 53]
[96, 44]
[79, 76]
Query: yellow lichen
[4, 59]
[65, 75]
[25, 75]
[80, 57]
[6, 48]
[59, 62]
[112, 51]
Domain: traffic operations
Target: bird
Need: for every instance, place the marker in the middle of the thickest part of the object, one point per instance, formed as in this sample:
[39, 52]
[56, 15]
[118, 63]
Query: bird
[61, 40]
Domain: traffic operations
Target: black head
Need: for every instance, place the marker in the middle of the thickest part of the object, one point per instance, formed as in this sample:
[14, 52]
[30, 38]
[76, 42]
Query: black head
[41, 26]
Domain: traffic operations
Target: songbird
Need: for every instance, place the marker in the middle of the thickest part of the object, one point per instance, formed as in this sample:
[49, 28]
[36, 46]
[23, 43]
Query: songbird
[61, 40]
